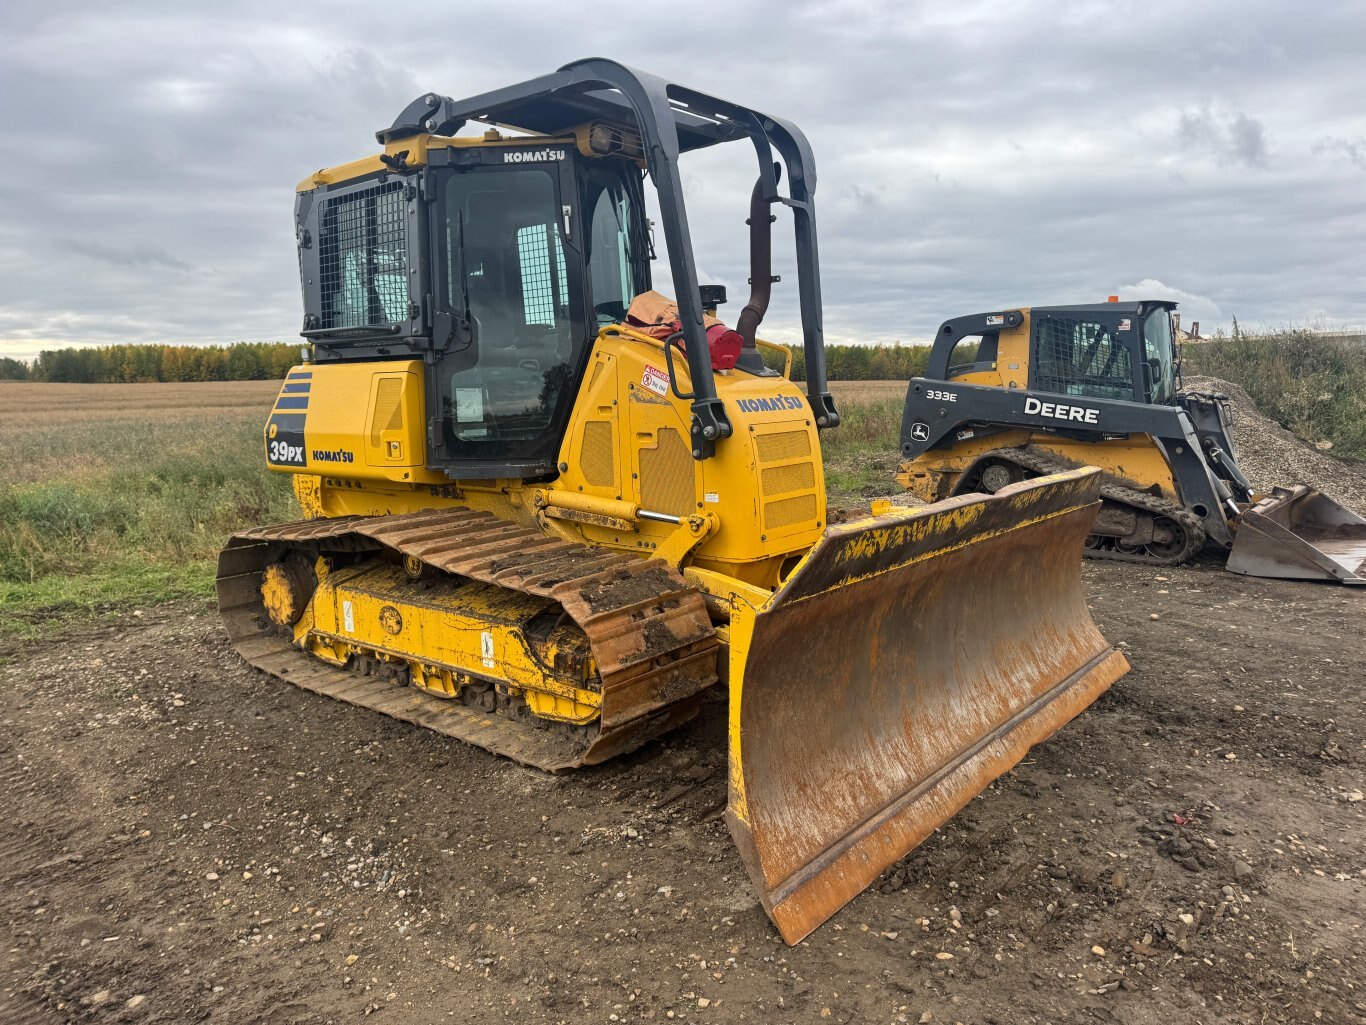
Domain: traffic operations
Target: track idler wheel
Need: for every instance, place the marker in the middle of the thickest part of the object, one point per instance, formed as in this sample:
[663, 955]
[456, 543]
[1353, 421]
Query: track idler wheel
[286, 588]
[998, 475]
[1169, 538]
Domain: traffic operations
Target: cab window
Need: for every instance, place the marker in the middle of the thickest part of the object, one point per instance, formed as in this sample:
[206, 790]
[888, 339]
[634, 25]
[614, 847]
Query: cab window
[1157, 350]
[505, 261]
[610, 256]
[1076, 356]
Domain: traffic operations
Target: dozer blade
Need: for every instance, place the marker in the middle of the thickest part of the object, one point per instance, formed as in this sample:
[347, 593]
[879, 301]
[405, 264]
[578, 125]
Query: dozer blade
[908, 661]
[1300, 534]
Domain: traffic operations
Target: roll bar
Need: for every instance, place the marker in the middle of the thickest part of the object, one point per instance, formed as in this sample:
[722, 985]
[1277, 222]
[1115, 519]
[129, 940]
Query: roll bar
[672, 119]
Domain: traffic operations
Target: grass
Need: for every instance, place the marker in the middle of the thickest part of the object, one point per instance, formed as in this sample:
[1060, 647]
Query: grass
[861, 455]
[1312, 385]
[122, 494]
[114, 496]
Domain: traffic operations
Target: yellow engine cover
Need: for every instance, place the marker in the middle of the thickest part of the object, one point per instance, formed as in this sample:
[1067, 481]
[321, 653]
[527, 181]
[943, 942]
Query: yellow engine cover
[354, 436]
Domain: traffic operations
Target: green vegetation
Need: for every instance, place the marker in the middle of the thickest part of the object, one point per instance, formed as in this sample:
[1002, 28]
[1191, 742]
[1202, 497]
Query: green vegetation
[142, 523]
[258, 361]
[126, 364]
[862, 454]
[125, 500]
[895, 362]
[1312, 385]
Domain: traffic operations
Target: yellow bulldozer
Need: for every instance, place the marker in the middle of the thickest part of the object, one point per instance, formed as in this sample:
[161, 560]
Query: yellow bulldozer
[546, 507]
[1019, 393]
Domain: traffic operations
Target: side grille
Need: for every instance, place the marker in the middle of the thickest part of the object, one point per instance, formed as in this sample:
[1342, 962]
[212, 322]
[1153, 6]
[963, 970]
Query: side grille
[787, 479]
[783, 445]
[786, 511]
[778, 480]
[667, 476]
[598, 455]
[388, 414]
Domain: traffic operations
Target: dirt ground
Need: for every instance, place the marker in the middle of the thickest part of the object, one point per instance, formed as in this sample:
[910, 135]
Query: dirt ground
[191, 840]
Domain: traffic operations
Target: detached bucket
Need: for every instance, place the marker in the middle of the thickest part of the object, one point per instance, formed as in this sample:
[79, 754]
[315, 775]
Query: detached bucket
[1300, 534]
[907, 662]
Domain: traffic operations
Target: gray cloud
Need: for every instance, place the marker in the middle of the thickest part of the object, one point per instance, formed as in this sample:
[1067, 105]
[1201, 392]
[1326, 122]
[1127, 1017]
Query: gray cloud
[1235, 138]
[971, 155]
[144, 256]
[1354, 151]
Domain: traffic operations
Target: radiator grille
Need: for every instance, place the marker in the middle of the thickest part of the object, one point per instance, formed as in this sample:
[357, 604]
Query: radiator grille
[778, 480]
[667, 482]
[783, 445]
[784, 512]
[388, 408]
[598, 455]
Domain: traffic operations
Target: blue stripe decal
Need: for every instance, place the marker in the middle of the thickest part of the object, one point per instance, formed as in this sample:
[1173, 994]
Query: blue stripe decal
[300, 375]
[289, 421]
[292, 402]
[302, 386]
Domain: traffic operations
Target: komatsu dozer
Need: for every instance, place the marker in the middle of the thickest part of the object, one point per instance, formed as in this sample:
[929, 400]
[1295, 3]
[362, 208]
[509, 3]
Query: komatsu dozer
[546, 507]
[1022, 393]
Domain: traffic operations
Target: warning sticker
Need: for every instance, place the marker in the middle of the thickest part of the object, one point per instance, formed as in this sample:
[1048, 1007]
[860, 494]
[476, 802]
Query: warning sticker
[655, 380]
[1124, 324]
[995, 319]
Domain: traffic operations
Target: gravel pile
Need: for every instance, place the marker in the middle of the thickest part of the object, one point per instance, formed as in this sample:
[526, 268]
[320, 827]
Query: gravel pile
[1270, 455]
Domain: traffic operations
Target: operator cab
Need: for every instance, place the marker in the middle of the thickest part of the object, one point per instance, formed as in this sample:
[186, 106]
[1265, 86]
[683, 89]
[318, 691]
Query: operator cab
[1109, 350]
[496, 259]
[530, 247]
[1105, 350]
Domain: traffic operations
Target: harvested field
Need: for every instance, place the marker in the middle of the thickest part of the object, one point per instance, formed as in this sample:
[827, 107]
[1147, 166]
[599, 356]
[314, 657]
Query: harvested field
[23, 402]
[864, 393]
[111, 493]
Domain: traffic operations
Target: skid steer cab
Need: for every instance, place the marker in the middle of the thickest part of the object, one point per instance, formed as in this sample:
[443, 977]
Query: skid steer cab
[1018, 393]
[548, 506]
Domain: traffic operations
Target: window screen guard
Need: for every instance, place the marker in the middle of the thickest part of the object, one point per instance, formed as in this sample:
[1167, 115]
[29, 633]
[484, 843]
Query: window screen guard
[1073, 356]
[363, 258]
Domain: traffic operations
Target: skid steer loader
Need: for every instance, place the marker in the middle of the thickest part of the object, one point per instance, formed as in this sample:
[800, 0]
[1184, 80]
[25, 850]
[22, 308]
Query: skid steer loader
[547, 508]
[1019, 393]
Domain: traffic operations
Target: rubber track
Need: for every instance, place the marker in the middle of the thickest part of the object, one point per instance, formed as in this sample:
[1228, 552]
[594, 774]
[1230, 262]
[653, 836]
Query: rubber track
[651, 636]
[1113, 490]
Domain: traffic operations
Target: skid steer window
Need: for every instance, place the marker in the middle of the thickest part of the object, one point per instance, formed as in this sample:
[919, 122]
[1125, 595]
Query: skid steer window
[1157, 350]
[1080, 357]
[505, 260]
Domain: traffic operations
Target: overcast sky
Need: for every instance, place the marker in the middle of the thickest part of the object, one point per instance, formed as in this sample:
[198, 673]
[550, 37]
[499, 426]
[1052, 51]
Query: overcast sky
[972, 155]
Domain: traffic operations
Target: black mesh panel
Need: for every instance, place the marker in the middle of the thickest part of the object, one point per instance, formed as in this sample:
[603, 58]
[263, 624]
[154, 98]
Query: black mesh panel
[1080, 357]
[363, 255]
[540, 296]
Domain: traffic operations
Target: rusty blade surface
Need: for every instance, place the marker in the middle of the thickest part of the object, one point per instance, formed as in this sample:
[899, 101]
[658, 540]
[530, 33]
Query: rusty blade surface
[907, 662]
[1300, 534]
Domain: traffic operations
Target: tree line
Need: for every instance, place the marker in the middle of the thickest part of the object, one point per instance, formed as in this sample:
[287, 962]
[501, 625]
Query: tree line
[895, 362]
[258, 361]
[127, 364]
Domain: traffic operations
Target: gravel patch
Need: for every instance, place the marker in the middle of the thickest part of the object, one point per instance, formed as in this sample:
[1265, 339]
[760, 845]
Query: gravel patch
[1270, 455]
